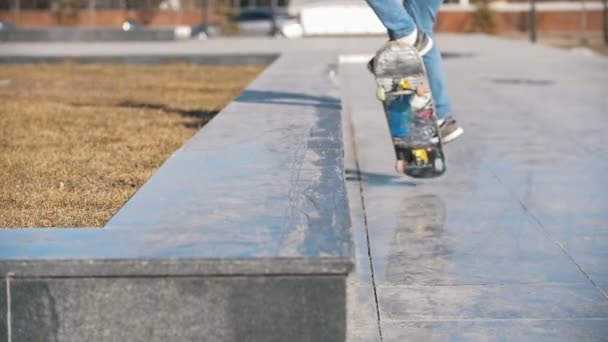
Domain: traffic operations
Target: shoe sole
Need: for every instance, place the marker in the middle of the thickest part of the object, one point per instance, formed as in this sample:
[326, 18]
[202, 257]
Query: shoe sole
[450, 137]
[427, 48]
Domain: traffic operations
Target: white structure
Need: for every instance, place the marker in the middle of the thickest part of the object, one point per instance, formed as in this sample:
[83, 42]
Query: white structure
[339, 19]
[343, 17]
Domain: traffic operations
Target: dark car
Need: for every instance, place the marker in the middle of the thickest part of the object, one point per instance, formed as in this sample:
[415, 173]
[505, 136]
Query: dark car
[6, 26]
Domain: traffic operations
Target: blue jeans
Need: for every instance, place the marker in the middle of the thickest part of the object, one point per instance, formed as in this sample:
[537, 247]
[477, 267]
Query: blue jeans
[401, 20]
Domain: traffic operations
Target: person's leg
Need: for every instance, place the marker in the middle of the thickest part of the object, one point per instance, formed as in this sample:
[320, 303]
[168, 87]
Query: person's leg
[394, 17]
[424, 14]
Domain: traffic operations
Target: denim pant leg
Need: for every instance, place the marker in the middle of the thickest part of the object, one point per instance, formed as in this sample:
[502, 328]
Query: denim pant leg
[394, 17]
[424, 13]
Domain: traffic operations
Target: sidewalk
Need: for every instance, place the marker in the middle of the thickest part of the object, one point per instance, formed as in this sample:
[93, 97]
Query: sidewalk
[512, 243]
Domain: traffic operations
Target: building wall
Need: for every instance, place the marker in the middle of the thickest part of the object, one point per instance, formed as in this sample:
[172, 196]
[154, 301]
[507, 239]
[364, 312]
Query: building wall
[104, 18]
[512, 22]
[451, 20]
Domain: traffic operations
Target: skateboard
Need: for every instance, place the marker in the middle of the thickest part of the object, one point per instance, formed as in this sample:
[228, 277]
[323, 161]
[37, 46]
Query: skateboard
[403, 88]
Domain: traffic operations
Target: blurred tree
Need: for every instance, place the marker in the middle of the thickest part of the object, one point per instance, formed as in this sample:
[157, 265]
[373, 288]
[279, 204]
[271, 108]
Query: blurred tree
[66, 11]
[484, 18]
[224, 11]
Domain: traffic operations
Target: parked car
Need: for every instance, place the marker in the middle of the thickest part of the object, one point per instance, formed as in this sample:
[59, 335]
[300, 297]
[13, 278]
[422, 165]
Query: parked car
[266, 22]
[6, 26]
[202, 32]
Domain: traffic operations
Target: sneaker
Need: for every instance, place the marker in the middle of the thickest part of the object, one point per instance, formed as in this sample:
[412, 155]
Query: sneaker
[449, 129]
[423, 44]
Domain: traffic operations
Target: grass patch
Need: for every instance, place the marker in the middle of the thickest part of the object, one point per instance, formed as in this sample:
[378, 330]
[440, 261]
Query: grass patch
[77, 141]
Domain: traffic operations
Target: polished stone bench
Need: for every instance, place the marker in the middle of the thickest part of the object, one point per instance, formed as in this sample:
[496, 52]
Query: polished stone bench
[243, 234]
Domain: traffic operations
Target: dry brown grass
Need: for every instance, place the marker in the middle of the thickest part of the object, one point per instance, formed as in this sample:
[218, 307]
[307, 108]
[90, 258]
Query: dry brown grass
[76, 141]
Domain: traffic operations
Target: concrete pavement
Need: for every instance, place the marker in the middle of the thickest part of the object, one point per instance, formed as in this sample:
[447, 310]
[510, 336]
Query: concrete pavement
[512, 243]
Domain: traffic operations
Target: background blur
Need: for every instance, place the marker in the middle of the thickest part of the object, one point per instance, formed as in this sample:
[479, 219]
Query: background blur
[294, 18]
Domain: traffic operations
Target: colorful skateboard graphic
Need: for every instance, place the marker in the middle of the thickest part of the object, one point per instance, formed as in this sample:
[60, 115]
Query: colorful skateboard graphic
[403, 88]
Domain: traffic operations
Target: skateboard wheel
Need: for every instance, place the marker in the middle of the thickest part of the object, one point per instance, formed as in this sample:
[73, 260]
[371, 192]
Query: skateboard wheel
[380, 94]
[439, 165]
[421, 90]
[400, 166]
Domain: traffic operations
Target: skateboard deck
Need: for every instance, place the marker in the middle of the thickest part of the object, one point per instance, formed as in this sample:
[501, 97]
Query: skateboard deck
[403, 87]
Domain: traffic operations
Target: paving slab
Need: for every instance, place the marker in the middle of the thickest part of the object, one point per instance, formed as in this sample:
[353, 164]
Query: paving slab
[511, 243]
[497, 330]
[362, 315]
[490, 301]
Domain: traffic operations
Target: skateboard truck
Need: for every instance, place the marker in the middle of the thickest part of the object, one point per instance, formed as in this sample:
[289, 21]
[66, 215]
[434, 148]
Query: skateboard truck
[381, 94]
[403, 85]
[421, 156]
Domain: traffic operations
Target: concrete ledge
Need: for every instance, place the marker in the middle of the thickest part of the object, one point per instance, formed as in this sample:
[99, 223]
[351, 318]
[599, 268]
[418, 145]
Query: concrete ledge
[68, 34]
[211, 59]
[178, 309]
[255, 201]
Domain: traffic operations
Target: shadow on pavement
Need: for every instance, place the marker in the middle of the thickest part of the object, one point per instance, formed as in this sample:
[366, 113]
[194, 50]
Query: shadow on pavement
[381, 179]
[291, 99]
